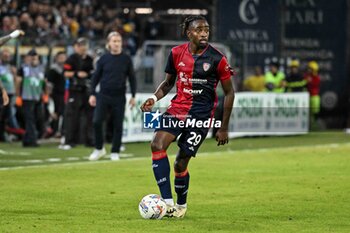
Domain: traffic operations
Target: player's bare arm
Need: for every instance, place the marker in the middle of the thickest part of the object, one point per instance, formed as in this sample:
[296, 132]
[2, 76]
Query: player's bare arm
[12, 35]
[222, 134]
[69, 74]
[5, 97]
[162, 90]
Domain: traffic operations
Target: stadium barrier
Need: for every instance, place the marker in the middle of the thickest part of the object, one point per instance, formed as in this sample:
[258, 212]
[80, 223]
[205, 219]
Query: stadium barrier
[254, 114]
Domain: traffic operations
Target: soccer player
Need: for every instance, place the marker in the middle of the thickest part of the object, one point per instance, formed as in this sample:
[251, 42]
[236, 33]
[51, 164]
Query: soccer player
[196, 68]
[4, 99]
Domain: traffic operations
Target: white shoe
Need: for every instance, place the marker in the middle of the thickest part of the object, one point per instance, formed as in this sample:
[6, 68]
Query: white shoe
[64, 147]
[97, 154]
[180, 211]
[115, 157]
[63, 140]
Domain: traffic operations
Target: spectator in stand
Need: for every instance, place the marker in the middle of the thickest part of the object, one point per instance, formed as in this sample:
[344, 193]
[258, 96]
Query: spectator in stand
[275, 79]
[154, 28]
[313, 86]
[12, 8]
[47, 21]
[6, 25]
[27, 25]
[295, 80]
[255, 82]
[42, 30]
[130, 38]
[116, 25]
[58, 81]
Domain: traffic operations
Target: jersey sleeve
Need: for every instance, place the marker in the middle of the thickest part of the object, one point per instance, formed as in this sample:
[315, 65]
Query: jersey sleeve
[170, 67]
[224, 70]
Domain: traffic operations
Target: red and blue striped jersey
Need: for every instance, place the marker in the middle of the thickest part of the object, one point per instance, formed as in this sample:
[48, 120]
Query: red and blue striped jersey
[197, 78]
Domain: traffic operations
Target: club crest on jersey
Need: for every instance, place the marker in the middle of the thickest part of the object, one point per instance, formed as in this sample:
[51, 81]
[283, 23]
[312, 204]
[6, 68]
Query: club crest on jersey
[206, 66]
[181, 64]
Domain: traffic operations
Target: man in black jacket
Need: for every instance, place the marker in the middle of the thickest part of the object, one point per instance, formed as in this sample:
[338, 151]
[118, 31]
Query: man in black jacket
[78, 113]
[112, 72]
[58, 82]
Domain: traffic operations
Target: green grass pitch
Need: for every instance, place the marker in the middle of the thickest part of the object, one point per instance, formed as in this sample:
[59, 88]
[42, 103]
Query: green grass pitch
[263, 184]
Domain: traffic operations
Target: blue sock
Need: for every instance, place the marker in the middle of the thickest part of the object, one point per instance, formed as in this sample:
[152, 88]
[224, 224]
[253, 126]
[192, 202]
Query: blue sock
[161, 170]
[182, 181]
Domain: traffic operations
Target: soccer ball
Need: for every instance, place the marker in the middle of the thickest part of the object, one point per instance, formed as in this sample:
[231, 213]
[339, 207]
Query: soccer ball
[152, 206]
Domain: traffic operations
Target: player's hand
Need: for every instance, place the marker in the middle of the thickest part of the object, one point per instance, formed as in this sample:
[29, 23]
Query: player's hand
[222, 136]
[92, 101]
[5, 98]
[45, 98]
[82, 74]
[132, 102]
[147, 105]
[16, 33]
[21, 32]
[19, 101]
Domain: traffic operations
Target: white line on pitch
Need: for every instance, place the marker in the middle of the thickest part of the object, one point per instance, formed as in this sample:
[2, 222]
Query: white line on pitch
[217, 153]
[73, 158]
[21, 153]
[53, 159]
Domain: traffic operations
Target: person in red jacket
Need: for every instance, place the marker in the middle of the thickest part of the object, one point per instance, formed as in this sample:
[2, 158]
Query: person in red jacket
[313, 86]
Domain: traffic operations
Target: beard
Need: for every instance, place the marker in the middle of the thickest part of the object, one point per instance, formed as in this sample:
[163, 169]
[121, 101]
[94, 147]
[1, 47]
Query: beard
[202, 45]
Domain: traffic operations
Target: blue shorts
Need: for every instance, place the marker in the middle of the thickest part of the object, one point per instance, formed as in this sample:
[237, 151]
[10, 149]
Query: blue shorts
[190, 138]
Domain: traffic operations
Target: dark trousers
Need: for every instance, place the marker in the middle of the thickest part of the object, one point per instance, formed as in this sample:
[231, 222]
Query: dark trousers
[116, 105]
[58, 100]
[9, 113]
[78, 119]
[33, 118]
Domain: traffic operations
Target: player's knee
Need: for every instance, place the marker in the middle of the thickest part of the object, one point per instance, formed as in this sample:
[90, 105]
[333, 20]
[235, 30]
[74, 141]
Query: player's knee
[180, 166]
[157, 145]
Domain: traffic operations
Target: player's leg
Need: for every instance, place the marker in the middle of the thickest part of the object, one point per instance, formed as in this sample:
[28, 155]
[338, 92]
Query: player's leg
[71, 118]
[118, 110]
[160, 163]
[189, 143]
[98, 119]
[182, 179]
[29, 138]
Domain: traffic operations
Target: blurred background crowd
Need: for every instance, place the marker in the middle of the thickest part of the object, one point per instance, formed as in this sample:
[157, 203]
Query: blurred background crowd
[60, 22]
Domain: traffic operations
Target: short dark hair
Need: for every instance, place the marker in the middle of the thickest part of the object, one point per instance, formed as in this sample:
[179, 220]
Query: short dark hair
[188, 20]
[81, 41]
[60, 53]
[32, 52]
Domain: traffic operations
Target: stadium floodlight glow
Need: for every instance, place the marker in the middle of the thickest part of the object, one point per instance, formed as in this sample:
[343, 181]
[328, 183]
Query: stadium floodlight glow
[187, 11]
[126, 10]
[143, 11]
